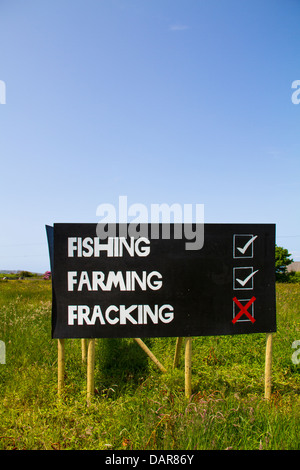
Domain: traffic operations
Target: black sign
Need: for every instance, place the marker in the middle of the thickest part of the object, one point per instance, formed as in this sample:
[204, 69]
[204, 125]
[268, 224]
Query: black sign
[126, 286]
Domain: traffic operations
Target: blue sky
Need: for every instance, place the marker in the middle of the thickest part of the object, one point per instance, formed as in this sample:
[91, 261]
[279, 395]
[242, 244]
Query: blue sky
[164, 101]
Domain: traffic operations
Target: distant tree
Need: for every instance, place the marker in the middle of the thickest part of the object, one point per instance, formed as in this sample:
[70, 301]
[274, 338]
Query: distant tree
[282, 261]
[25, 274]
[293, 276]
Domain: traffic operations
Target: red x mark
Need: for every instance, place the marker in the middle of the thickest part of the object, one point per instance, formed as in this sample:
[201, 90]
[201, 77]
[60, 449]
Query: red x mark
[243, 309]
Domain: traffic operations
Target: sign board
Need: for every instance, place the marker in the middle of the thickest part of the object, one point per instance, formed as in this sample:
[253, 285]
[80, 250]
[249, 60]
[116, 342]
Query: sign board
[126, 286]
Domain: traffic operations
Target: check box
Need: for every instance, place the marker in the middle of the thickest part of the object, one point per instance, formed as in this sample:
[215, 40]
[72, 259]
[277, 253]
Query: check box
[243, 278]
[243, 310]
[243, 245]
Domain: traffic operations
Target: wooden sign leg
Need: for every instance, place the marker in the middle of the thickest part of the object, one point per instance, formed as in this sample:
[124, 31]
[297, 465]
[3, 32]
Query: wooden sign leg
[188, 367]
[60, 366]
[83, 349]
[177, 352]
[268, 366]
[90, 369]
[150, 354]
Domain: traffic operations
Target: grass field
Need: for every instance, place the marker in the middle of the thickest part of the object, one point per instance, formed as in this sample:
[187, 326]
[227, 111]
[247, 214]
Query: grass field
[135, 405]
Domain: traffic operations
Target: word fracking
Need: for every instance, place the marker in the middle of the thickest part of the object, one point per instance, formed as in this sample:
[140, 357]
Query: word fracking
[134, 221]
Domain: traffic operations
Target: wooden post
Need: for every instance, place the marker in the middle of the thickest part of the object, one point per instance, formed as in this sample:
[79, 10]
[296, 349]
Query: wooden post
[60, 366]
[177, 352]
[90, 369]
[150, 354]
[188, 367]
[268, 366]
[83, 349]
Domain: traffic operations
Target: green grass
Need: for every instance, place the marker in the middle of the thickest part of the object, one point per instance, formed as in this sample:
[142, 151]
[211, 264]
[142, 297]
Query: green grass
[135, 405]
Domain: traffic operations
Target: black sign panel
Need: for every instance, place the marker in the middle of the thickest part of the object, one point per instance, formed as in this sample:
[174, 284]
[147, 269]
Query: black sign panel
[126, 286]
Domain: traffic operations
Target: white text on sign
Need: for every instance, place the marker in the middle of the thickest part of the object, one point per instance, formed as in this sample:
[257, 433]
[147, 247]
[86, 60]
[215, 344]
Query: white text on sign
[114, 247]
